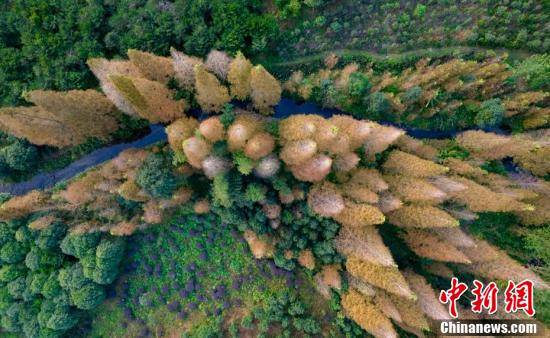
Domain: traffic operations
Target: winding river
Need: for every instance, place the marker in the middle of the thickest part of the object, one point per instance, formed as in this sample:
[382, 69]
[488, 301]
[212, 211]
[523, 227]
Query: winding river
[285, 108]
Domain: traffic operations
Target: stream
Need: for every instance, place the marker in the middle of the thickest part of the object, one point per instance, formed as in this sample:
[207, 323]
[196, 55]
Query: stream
[285, 108]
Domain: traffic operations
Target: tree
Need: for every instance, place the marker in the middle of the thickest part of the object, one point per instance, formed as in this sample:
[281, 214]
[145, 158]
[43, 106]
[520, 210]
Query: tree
[38, 259]
[365, 244]
[325, 199]
[109, 252]
[218, 63]
[429, 245]
[36, 125]
[210, 93]
[421, 216]
[363, 311]
[83, 113]
[13, 252]
[239, 77]
[88, 296]
[19, 155]
[180, 130]
[265, 89]
[80, 245]
[49, 238]
[156, 177]
[196, 149]
[153, 67]
[491, 113]
[358, 85]
[184, 66]
[103, 69]
[358, 215]
[379, 106]
[399, 162]
[151, 100]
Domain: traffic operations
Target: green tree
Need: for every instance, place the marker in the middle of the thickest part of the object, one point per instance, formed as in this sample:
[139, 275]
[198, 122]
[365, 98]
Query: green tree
[108, 255]
[359, 85]
[155, 176]
[88, 296]
[20, 155]
[490, 114]
[13, 252]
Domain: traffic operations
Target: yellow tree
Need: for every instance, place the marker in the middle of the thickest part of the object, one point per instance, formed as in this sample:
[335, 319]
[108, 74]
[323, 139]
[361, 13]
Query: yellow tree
[180, 130]
[359, 215]
[103, 68]
[388, 278]
[239, 77]
[37, 125]
[85, 113]
[210, 93]
[365, 313]
[429, 245]
[364, 243]
[399, 162]
[151, 100]
[151, 66]
[421, 216]
[265, 89]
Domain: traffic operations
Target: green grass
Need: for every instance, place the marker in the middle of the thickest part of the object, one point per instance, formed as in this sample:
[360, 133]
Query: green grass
[160, 261]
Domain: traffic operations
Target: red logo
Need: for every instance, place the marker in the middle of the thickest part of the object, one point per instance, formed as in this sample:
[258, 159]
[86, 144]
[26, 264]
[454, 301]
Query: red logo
[452, 295]
[516, 297]
[519, 297]
[485, 298]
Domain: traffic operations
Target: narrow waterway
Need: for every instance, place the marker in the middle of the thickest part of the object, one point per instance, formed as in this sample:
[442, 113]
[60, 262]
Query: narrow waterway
[285, 108]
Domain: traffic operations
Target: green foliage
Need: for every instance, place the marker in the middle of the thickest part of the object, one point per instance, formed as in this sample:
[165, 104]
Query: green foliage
[244, 164]
[50, 237]
[419, 10]
[379, 106]
[388, 27]
[304, 230]
[491, 113]
[359, 85]
[255, 192]
[87, 297]
[228, 116]
[495, 166]
[287, 308]
[413, 95]
[453, 151]
[45, 44]
[43, 288]
[535, 70]
[536, 240]
[19, 155]
[155, 176]
[220, 191]
[186, 262]
[226, 189]
[80, 245]
[12, 252]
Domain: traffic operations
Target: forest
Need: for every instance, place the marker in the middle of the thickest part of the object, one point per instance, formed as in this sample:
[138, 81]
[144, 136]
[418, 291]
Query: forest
[416, 153]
